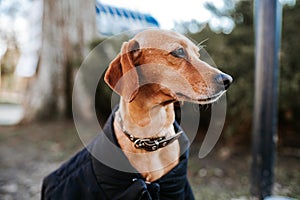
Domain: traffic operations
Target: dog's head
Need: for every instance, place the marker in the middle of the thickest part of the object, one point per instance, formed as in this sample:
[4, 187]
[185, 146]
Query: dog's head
[167, 59]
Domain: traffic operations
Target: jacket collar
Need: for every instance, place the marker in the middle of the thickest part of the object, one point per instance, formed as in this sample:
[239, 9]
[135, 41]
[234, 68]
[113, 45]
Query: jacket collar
[120, 180]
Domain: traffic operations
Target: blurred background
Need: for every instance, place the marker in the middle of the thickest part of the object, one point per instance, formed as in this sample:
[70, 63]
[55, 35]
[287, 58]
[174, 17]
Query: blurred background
[43, 43]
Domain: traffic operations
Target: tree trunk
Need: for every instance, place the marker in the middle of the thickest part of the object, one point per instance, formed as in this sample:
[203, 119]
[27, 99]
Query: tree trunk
[68, 28]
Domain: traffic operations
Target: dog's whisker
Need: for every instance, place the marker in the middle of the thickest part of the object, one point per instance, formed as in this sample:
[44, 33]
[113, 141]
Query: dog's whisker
[200, 44]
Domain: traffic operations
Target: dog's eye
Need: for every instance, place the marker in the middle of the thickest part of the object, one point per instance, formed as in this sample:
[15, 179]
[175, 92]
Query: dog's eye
[179, 53]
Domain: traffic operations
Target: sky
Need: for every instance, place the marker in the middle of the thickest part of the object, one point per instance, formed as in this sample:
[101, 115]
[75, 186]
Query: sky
[169, 11]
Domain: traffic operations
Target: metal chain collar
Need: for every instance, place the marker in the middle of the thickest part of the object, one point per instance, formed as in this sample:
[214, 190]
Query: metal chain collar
[148, 144]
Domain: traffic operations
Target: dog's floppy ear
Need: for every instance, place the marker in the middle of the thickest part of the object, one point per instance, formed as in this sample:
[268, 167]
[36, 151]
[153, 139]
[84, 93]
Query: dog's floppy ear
[121, 74]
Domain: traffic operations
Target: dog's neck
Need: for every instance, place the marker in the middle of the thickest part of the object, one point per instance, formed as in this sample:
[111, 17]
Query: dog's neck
[147, 117]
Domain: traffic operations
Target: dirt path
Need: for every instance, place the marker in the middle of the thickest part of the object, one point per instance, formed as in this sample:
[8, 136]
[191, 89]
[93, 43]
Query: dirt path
[22, 170]
[29, 153]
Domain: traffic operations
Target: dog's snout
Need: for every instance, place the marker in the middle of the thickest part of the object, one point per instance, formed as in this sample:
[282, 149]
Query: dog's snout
[224, 79]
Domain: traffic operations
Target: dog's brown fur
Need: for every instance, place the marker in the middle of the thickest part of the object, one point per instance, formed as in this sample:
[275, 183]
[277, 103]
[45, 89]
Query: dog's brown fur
[149, 79]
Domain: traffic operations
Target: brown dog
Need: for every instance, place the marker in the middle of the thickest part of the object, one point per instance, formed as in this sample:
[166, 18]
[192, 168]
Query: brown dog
[142, 153]
[168, 66]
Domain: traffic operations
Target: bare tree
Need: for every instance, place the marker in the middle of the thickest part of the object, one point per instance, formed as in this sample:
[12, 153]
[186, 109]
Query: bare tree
[68, 27]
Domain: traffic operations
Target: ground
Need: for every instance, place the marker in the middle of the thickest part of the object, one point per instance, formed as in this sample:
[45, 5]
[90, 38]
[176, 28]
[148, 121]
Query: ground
[30, 152]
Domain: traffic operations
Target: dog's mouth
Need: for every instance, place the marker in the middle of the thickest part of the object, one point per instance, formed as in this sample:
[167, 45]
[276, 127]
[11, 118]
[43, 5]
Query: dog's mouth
[208, 100]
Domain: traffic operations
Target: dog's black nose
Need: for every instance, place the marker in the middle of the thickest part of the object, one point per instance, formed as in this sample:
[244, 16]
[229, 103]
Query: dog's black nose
[224, 80]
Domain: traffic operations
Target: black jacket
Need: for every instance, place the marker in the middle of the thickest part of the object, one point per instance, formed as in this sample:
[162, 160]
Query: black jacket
[102, 172]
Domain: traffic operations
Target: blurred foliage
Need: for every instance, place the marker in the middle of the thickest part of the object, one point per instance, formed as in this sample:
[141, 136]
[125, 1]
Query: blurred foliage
[9, 60]
[225, 11]
[103, 52]
[290, 73]
[234, 54]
